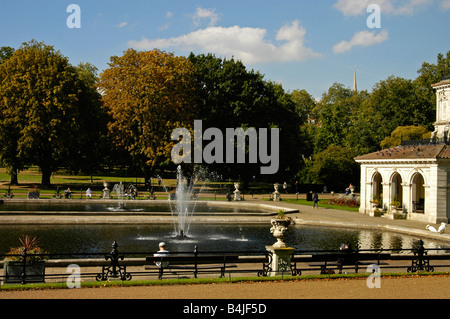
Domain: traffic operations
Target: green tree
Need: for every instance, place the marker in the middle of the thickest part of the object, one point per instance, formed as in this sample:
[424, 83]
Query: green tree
[147, 94]
[429, 74]
[335, 167]
[334, 112]
[405, 133]
[230, 96]
[5, 53]
[93, 146]
[39, 108]
[305, 104]
[392, 103]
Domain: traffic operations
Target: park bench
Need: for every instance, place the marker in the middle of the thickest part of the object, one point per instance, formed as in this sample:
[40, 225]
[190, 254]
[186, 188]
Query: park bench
[208, 263]
[195, 264]
[340, 259]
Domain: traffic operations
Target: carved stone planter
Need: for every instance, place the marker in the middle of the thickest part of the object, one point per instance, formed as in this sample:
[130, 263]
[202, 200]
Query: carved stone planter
[281, 254]
[13, 271]
[278, 230]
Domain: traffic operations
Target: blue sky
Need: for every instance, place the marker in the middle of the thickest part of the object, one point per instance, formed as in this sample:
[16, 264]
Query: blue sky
[301, 44]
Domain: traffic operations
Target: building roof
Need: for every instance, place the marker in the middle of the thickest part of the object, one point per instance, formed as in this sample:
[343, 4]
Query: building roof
[432, 151]
[444, 81]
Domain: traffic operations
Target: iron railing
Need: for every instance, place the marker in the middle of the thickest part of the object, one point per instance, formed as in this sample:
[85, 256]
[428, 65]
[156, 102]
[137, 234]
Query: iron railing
[113, 265]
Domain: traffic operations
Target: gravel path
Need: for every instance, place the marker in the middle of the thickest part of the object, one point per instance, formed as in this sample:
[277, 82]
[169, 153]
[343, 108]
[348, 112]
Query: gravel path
[430, 287]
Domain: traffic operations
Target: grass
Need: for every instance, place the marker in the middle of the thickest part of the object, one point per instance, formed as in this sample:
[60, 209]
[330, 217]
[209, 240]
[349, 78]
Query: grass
[33, 176]
[79, 183]
[322, 203]
[188, 281]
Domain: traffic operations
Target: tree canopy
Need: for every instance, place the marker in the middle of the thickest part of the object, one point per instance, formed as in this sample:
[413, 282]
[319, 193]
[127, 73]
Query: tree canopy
[39, 109]
[54, 114]
[230, 96]
[147, 94]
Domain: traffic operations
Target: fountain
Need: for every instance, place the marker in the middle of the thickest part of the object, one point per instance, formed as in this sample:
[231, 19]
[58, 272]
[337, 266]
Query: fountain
[118, 188]
[185, 202]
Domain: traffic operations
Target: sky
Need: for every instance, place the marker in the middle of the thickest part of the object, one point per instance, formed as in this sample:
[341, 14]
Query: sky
[302, 44]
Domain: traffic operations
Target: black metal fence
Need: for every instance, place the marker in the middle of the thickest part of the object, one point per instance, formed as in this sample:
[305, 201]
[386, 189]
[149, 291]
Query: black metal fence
[115, 265]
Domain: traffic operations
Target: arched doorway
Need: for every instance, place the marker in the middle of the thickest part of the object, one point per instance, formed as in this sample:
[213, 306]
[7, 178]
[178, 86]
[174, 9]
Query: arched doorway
[418, 193]
[396, 190]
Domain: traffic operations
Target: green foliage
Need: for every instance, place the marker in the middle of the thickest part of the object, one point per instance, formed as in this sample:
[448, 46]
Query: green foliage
[52, 114]
[230, 96]
[405, 133]
[304, 105]
[335, 167]
[39, 109]
[5, 53]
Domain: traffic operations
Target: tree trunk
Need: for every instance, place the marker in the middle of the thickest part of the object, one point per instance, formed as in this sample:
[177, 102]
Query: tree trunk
[46, 175]
[14, 177]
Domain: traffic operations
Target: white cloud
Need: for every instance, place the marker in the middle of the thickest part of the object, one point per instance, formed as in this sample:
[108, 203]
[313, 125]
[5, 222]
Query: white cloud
[445, 4]
[122, 24]
[246, 44]
[393, 7]
[205, 14]
[364, 38]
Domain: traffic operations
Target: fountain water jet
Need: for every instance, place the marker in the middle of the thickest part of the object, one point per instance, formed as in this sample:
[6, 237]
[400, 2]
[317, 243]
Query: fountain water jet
[118, 188]
[183, 204]
[182, 195]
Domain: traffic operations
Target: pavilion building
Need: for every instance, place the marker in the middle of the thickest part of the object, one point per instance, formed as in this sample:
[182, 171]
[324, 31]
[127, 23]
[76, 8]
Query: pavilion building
[412, 180]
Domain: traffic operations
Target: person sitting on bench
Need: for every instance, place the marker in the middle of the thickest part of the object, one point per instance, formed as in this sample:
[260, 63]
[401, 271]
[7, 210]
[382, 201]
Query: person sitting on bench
[67, 193]
[161, 253]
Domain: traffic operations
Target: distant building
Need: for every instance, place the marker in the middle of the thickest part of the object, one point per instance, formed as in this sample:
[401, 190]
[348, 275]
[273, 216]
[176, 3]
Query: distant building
[413, 178]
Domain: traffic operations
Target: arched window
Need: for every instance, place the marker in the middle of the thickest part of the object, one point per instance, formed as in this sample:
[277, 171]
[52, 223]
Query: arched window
[377, 189]
[418, 193]
[396, 190]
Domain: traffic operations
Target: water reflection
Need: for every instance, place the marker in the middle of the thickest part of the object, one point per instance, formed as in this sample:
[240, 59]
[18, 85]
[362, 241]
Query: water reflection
[145, 238]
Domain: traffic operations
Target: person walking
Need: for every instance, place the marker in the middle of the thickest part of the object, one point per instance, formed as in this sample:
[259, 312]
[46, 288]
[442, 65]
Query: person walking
[316, 200]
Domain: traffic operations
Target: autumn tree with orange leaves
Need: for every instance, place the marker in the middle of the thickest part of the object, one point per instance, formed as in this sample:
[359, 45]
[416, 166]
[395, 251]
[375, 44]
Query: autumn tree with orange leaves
[147, 94]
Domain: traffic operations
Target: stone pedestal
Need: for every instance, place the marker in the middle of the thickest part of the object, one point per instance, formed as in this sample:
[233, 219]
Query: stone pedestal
[281, 260]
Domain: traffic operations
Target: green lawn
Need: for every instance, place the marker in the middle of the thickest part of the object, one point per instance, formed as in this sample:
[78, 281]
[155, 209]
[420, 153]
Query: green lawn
[79, 183]
[322, 203]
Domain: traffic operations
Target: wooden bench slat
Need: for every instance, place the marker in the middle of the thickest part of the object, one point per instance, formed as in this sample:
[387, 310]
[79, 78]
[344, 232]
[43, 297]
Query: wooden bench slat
[180, 260]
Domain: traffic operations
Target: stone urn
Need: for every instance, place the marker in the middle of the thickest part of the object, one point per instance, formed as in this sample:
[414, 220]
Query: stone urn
[105, 190]
[278, 230]
[276, 194]
[281, 254]
[237, 193]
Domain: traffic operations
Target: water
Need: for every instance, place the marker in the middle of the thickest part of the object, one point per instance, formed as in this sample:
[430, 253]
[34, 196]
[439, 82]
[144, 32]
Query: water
[145, 238]
[103, 206]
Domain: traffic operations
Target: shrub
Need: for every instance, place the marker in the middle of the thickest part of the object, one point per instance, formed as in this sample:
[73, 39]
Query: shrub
[343, 200]
[34, 252]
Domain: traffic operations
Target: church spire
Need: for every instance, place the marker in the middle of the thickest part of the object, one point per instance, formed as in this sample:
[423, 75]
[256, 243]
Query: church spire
[355, 89]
